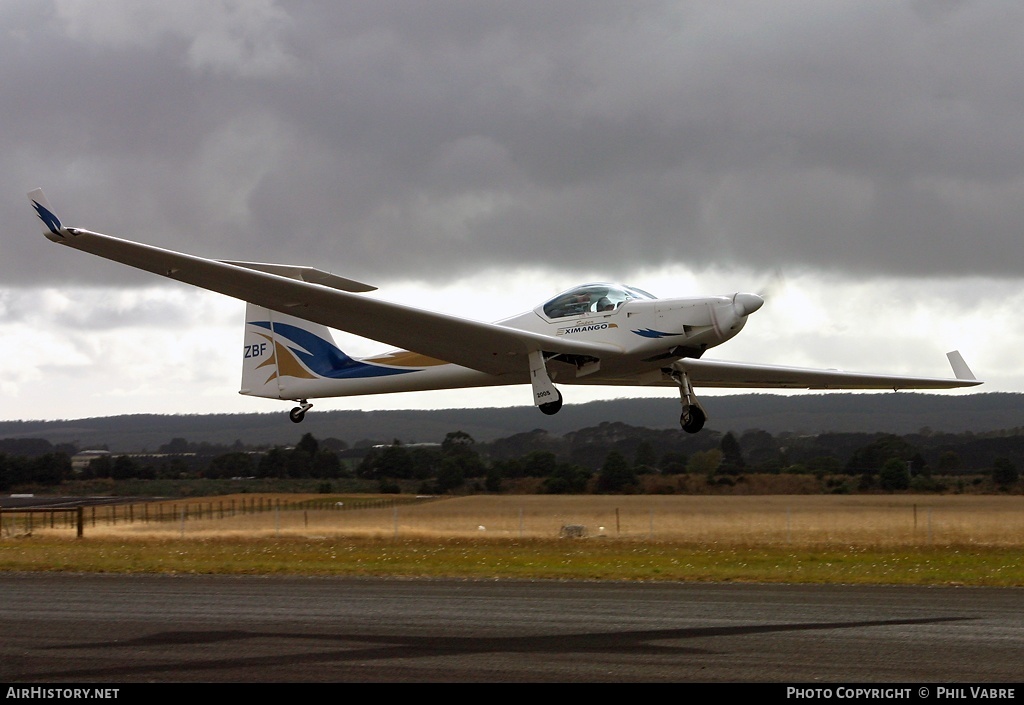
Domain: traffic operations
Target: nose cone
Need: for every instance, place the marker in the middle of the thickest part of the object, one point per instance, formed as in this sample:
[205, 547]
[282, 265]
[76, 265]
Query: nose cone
[746, 304]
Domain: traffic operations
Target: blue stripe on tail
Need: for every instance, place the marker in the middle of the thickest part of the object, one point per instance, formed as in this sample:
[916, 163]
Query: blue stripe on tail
[323, 358]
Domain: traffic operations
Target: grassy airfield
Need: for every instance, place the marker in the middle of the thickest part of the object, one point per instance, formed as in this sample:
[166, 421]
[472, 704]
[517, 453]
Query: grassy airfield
[892, 539]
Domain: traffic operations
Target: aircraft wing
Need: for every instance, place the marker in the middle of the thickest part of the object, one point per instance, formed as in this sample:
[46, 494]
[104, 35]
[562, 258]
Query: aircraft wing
[716, 373]
[327, 299]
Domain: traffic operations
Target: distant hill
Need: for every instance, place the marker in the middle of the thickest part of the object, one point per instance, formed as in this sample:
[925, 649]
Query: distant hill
[897, 413]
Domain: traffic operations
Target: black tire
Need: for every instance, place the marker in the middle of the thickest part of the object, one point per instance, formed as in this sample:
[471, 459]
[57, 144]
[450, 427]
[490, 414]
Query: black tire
[552, 407]
[297, 414]
[692, 419]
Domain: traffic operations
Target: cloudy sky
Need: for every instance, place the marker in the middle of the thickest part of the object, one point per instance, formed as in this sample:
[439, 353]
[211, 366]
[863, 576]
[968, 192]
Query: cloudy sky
[863, 161]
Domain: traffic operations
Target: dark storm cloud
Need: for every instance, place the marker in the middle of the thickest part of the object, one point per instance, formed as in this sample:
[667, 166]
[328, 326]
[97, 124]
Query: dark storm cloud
[394, 139]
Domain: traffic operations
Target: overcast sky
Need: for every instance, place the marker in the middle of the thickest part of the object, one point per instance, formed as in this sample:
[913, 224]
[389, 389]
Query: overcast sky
[864, 160]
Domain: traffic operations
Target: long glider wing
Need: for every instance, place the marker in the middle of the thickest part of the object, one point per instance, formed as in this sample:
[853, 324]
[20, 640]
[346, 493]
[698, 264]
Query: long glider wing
[327, 299]
[716, 373]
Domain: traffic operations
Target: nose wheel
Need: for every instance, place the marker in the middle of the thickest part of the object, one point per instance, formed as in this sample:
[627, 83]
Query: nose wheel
[298, 413]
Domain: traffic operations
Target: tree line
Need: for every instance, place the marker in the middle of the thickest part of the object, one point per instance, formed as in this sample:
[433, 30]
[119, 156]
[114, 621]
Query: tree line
[609, 458]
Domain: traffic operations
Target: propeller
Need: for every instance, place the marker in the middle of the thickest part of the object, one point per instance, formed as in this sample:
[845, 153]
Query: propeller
[775, 283]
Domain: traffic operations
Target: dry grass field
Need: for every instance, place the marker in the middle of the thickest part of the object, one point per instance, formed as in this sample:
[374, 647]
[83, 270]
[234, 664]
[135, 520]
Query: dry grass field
[801, 520]
[890, 539]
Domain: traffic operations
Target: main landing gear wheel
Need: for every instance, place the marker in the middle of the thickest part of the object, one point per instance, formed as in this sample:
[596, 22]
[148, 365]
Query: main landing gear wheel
[299, 412]
[692, 418]
[552, 407]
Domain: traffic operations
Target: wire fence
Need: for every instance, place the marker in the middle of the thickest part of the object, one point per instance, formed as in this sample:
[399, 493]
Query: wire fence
[24, 521]
[797, 520]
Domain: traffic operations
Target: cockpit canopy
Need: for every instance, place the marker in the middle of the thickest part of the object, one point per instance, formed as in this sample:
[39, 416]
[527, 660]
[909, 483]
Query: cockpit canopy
[592, 298]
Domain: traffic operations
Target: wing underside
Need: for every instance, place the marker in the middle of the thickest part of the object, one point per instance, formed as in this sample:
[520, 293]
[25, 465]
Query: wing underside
[718, 373]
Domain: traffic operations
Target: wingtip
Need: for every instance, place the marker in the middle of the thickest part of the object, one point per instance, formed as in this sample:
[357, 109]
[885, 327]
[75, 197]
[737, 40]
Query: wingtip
[52, 227]
[960, 368]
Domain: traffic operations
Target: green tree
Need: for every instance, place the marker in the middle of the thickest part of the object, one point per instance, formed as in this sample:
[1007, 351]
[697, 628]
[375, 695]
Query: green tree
[645, 460]
[394, 462]
[101, 466]
[308, 444]
[871, 458]
[424, 462]
[704, 462]
[274, 463]
[327, 465]
[539, 463]
[123, 468]
[732, 456]
[895, 475]
[673, 463]
[230, 465]
[567, 478]
[615, 474]
[949, 461]
[459, 448]
[493, 480]
[1004, 472]
[450, 475]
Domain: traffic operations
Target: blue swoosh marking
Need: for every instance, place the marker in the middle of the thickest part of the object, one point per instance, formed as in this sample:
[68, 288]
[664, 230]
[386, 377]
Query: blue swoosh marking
[323, 358]
[51, 221]
[648, 333]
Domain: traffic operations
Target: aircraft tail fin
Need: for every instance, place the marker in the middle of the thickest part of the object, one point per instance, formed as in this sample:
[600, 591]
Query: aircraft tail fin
[52, 227]
[284, 357]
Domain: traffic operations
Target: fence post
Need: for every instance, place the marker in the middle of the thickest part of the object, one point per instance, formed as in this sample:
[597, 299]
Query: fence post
[81, 520]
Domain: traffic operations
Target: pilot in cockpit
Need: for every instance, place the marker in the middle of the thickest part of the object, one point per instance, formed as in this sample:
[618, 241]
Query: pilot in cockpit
[580, 303]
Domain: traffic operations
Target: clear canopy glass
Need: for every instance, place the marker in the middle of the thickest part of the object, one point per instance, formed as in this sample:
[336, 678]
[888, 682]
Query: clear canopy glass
[592, 298]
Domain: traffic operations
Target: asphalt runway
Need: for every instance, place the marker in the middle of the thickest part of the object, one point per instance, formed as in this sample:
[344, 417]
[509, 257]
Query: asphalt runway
[75, 628]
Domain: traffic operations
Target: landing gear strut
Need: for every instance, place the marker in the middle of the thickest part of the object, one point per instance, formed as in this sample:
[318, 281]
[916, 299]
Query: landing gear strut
[543, 389]
[299, 412]
[693, 417]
